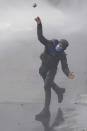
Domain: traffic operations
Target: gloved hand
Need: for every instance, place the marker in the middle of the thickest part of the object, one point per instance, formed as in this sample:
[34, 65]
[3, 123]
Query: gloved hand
[37, 19]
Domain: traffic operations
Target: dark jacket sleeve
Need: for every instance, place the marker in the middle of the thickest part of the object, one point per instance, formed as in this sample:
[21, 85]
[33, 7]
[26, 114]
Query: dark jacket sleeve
[64, 65]
[41, 38]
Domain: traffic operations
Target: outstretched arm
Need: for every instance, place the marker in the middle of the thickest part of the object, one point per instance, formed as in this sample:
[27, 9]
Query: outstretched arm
[41, 38]
[65, 68]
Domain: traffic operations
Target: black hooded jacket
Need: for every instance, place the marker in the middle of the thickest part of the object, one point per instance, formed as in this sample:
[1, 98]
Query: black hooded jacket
[50, 57]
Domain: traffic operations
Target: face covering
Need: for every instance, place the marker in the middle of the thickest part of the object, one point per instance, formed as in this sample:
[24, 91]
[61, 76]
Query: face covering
[58, 48]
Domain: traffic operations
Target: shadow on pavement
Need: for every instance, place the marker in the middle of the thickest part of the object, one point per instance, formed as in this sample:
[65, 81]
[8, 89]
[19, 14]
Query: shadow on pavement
[45, 121]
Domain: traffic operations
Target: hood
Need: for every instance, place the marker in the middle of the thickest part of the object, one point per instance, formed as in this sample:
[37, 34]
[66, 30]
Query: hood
[65, 43]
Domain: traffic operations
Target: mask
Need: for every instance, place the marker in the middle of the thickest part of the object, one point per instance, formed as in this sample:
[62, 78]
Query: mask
[58, 48]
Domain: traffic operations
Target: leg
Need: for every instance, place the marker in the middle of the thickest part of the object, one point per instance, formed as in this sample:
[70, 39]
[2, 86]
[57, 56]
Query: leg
[47, 86]
[56, 88]
[43, 71]
[59, 91]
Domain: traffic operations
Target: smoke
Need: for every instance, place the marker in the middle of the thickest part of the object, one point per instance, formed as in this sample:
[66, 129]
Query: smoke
[64, 16]
[59, 17]
[68, 3]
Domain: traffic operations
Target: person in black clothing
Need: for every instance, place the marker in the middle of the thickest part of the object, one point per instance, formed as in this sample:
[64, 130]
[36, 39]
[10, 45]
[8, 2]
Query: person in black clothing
[53, 53]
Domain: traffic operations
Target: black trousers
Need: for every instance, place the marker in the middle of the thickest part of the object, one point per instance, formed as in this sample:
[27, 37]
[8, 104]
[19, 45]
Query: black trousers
[48, 76]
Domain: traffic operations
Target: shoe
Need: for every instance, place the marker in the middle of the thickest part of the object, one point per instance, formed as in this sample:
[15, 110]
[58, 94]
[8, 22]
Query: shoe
[60, 93]
[45, 113]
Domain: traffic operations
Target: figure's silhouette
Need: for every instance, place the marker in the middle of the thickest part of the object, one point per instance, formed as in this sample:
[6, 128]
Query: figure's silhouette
[53, 54]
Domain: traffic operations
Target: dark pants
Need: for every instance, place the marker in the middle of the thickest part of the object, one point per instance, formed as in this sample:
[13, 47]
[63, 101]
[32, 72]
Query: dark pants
[48, 76]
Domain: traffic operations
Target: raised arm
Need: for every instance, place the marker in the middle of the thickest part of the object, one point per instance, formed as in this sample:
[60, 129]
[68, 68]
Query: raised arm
[41, 38]
[65, 67]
